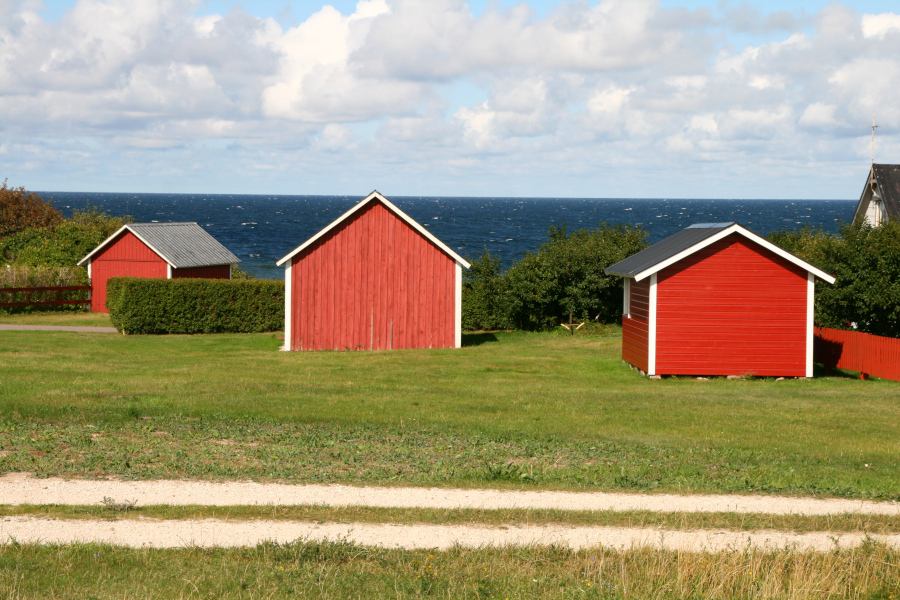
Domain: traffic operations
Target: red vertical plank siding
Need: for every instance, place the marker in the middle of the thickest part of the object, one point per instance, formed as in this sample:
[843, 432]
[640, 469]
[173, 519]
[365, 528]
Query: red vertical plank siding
[214, 272]
[126, 256]
[372, 282]
[857, 351]
[729, 309]
[635, 329]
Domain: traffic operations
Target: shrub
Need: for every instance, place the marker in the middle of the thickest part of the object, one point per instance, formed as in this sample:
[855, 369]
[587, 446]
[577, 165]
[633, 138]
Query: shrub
[139, 305]
[21, 210]
[565, 277]
[239, 273]
[64, 244]
[866, 264]
[483, 300]
[15, 276]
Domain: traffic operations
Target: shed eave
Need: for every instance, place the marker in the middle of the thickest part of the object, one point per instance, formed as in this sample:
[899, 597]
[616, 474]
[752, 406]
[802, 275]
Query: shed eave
[375, 195]
[182, 264]
[747, 234]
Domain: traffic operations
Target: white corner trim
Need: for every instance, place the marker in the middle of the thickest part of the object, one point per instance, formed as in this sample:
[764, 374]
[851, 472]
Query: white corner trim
[651, 328]
[288, 288]
[458, 316]
[370, 198]
[230, 268]
[747, 234]
[626, 297]
[168, 271]
[89, 269]
[810, 330]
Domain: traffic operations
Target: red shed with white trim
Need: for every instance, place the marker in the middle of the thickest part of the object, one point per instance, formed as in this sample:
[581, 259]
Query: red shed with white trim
[156, 250]
[373, 280]
[717, 299]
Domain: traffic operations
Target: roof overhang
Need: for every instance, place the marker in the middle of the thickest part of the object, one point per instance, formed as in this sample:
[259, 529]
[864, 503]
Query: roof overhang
[106, 242]
[866, 196]
[375, 196]
[734, 228]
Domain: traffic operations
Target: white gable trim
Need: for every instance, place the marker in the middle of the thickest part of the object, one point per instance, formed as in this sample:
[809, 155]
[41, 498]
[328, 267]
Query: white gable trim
[372, 197]
[747, 234]
[116, 234]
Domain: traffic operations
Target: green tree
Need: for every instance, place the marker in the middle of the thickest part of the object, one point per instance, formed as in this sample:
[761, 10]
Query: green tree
[565, 277]
[64, 244]
[484, 301]
[21, 210]
[866, 264]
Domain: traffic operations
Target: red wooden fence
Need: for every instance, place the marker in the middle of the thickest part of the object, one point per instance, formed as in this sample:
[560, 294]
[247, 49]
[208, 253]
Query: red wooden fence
[856, 351]
[59, 295]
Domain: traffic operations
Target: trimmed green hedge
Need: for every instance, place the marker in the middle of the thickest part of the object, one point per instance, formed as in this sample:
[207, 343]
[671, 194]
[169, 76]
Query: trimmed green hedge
[195, 305]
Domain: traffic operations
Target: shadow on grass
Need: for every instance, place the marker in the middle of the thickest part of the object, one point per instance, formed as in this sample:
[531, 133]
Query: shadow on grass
[820, 371]
[477, 339]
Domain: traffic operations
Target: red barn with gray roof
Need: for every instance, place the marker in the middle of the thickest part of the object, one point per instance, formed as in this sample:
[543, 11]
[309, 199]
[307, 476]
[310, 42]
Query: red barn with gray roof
[156, 250]
[372, 280]
[717, 299]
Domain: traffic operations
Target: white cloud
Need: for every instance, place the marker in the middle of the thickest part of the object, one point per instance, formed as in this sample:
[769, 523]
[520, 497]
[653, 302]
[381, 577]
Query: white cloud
[878, 26]
[587, 85]
[819, 114]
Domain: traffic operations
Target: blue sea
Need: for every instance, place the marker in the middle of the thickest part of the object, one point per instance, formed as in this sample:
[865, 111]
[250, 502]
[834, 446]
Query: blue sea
[261, 229]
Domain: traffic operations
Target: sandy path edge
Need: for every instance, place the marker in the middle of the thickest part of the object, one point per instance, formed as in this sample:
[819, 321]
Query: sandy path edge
[20, 488]
[220, 533]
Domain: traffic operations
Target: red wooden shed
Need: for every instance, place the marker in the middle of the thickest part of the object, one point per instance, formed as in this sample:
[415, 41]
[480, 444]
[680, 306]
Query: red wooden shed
[156, 250]
[717, 299]
[373, 280]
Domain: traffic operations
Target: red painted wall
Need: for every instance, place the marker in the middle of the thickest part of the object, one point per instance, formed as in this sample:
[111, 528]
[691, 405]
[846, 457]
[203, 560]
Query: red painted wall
[127, 256]
[214, 272]
[732, 308]
[635, 330]
[373, 282]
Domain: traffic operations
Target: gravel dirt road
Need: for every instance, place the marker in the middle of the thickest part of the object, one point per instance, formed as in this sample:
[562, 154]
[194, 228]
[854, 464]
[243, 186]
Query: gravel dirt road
[19, 488]
[218, 533]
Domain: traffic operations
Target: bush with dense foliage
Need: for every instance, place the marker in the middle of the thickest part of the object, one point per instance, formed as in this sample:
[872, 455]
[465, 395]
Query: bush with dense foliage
[21, 210]
[139, 305]
[563, 279]
[64, 244]
[866, 263]
[483, 300]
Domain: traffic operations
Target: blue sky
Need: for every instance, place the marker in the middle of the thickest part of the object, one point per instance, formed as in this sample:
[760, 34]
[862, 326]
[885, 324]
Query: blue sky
[608, 98]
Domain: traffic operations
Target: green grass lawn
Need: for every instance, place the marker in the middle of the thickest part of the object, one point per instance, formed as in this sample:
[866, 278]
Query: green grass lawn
[78, 319]
[343, 570]
[508, 409]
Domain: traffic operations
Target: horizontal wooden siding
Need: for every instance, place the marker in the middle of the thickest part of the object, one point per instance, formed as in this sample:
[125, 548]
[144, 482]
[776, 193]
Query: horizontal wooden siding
[213, 272]
[732, 308]
[635, 327]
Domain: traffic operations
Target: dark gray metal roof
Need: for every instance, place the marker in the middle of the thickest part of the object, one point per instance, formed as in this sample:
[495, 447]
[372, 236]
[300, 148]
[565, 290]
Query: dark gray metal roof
[888, 179]
[666, 249]
[184, 244]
